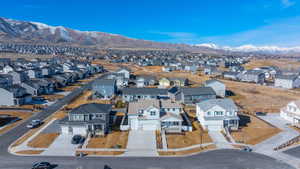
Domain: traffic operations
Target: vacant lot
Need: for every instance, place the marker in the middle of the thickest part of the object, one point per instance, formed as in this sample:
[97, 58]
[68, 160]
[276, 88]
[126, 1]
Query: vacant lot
[43, 140]
[281, 63]
[116, 139]
[187, 152]
[21, 115]
[253, 130]
[253, 97]
[197, 136]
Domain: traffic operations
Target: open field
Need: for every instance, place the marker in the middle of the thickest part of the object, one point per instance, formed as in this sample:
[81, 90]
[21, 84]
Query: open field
[104, 153]
[253, 97]
[253, 130]
[187, 152]
[281, 63]
[21, 115]
[43, 140]
[197, 136]
[116, 139]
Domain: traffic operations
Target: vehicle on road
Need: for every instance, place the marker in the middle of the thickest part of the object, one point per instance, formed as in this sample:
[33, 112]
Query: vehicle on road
[247, 149]
[261, 113]
[34, 124]
[42, 165]
[77, 139]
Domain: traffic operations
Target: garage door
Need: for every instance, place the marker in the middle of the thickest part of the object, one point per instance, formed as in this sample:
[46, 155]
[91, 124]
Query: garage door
[149, 127]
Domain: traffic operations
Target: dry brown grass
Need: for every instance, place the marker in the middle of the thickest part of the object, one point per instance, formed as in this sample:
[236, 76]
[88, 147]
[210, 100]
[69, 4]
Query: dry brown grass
[197, 136]
[21, 115]
[30, 152]
[115, 139]
[108, 153]
[255, 132]
[282, 63]
[253, 97]
[53, 97]
[158, 139]
[43, 140]
[186, 152]
[69, 88]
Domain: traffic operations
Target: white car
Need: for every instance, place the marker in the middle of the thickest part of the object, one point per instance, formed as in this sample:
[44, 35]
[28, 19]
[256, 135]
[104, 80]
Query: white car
[34, 124]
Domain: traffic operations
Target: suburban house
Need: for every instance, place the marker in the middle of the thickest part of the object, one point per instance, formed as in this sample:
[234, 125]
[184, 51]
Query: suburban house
[34, 73]
[231, 75]
[256, 76]
[195, 95]
[32, 88]
[14, 95]
[125, 72]
[181, 82]
[18, 76]
[5, 80]
[120, 78]
[217, 114]
[142, 81]
[291, 113]
[154, 114]
[87, 119]
[164, 82]
[217, 86]
[133, 94]
[287, 81]
[104, 88]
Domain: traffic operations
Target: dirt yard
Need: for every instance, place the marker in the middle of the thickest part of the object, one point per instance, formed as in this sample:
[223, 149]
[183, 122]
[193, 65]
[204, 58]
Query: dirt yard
[253, 130]
[21, 115]
[116, 139]
[253, 97]
[43, 140]
[30, 152]
[197, 136]
[186, 152]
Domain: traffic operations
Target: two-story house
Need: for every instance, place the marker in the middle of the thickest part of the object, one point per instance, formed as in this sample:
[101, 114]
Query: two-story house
[291, 113]
[87, 119]
[14, 95]
[287, 81]
[217, 86]
[217, 114]
[133, 94]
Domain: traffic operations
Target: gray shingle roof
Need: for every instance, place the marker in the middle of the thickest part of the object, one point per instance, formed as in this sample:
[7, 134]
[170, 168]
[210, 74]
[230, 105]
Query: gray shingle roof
[226, 104]
[92, 108]
[287, 77]
[146, 91]
[198, 91]
[106, 82]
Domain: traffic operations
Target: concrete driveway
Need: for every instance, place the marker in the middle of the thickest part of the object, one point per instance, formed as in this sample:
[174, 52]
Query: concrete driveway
[61, 146]
[141, 143]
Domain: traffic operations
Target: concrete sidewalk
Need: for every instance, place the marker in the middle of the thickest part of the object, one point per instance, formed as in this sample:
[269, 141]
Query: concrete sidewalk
[141, 143]
[219, 139]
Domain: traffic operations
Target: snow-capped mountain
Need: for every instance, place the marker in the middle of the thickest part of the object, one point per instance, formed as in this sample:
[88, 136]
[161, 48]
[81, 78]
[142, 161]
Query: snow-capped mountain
[252, 48]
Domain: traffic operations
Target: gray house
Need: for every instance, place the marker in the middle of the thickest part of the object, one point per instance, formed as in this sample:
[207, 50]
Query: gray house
[287, 81]
[134, 94]
[87, 119]
[18, 76]
[14, 95]
[32, 88]
[35, 73]
[104, 88]
[195, 95]
[217, 86]
[231, 75]
[256, 76]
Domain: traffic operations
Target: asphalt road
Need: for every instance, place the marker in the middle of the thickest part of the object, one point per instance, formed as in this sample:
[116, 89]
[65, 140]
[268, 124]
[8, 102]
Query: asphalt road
[218, 159]
[293, 152]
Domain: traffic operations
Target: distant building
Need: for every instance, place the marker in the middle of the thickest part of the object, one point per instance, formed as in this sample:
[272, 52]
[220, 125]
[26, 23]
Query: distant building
[287, 81]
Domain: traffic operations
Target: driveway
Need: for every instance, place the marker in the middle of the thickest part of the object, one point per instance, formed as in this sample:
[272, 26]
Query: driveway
[141, 143]
[61, 147]
[219, 139]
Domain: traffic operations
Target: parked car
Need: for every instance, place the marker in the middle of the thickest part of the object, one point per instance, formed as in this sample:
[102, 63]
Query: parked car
[34, 124]
[77, 139]
[247, 149]
[41, 165]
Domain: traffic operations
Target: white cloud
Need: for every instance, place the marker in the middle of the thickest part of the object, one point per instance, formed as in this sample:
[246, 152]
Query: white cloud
[287, 3]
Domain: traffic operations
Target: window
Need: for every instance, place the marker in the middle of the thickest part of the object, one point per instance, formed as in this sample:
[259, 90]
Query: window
[152, 113]
[230, 113]
[219, 113]
[173, 109]
[98, 116]
[209, 113]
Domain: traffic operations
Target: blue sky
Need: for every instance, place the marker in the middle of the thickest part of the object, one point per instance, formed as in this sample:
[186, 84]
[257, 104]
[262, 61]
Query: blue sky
[224, 22]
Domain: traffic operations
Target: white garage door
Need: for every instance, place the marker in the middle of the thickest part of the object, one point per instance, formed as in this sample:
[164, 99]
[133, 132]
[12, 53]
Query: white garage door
[149, 127]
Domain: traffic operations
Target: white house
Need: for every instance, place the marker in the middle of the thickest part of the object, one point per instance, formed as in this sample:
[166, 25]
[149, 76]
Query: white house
[217, 114]
[291, 112]
[287, 81]
[154, 114]
[124, 71]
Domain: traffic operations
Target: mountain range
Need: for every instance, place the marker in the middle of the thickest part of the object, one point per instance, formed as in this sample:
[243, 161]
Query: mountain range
[35, 32]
